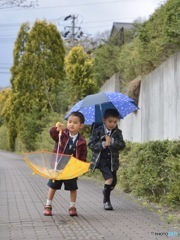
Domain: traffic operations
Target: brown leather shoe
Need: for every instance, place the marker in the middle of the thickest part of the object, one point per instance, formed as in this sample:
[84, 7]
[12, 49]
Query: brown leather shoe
[72, 211]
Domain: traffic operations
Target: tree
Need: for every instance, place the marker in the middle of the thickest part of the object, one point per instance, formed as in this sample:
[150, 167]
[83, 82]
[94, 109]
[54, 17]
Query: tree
[17, 3]
[4, 99]
[37, 75]
[13, 107]
[89, 44]
[42, 65]
[159, 36]
[146, 46]
[106, 59]
[79, 72]
[128, 63]
[5, 106]
[18, 52]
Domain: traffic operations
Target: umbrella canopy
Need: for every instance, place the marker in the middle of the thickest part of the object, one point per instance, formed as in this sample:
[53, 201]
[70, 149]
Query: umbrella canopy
[93, 106]
[55, 166]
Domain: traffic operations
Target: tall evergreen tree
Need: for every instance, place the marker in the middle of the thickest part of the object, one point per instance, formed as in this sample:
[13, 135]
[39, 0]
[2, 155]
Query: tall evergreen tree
[79, 72]
[13, 105]
[37, 76]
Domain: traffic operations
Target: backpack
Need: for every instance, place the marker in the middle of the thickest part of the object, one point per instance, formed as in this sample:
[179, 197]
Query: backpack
[94, 126]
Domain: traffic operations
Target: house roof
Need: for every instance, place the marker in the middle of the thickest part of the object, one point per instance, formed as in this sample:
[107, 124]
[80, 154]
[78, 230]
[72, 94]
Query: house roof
[117, 26]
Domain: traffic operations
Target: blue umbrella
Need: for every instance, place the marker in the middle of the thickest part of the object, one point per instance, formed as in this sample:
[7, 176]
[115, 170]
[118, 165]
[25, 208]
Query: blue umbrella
[93, 106]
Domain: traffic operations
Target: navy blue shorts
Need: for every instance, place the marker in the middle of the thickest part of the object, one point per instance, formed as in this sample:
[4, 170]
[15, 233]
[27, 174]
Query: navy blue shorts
[105, 167]
[69, 185]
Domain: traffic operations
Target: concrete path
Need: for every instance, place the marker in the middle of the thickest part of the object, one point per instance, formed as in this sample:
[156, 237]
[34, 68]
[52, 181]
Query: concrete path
[22, 198]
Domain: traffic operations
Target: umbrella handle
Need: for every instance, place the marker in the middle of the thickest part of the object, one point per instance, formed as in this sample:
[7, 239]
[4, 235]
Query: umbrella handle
[59, 143]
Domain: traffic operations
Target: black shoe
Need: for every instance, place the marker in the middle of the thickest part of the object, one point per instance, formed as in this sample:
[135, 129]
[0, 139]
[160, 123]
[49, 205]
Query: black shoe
[108, 206]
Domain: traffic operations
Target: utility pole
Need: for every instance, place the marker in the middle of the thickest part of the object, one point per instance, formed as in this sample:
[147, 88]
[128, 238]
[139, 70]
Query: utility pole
[72, 31]
[73, 27]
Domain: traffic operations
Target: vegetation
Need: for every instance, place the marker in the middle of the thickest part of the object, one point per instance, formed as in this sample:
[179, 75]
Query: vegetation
[41, 72]
[79, 74]
[45, 83]
[37, 76]
[152, 170]
[146, 46]
[106, 57]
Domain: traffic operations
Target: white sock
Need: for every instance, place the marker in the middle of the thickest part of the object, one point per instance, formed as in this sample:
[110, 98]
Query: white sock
[72, 204]
[49, 202]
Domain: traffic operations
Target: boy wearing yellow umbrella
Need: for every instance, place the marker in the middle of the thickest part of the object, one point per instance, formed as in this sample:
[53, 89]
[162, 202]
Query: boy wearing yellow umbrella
[72, 143]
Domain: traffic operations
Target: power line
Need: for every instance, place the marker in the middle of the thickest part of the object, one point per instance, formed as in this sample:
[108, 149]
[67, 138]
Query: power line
[15, 25]
[5, 73]
[84, 25]
[5, 25]
[7, 41]
[19, 4]
[3, 37]
[64, 6]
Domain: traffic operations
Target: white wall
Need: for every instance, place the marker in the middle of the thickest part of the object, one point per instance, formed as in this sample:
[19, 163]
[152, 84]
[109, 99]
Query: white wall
[159, 103]
[111, 85]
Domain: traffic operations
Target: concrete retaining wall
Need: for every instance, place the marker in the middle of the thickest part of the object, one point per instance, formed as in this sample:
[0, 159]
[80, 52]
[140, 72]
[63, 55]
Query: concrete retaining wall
[159, 103]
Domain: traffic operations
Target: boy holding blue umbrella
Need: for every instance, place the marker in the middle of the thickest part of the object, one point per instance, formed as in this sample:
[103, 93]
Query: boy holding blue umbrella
[105, 142]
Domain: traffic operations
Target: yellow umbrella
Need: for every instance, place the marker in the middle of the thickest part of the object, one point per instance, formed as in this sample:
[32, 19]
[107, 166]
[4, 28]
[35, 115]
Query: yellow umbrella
[55, 166]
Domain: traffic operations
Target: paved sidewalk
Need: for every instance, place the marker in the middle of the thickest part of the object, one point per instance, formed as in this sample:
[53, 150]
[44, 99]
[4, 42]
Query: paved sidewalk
[22, 198]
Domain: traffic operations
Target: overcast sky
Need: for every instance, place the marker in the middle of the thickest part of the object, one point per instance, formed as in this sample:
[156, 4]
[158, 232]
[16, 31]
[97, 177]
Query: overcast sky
[93, 16]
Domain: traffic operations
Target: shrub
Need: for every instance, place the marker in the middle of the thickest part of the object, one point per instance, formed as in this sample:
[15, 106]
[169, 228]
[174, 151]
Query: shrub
[152, 170]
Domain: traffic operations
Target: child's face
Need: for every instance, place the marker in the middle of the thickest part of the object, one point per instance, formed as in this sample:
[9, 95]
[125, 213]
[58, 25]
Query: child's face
[110, 122]
[74, 124]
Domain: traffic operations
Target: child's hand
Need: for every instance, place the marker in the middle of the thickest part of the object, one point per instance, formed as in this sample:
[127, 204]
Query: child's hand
[108, 140]
[59, 126]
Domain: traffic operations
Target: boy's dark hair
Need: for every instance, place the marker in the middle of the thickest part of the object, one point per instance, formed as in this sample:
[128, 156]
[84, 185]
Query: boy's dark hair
[111, 113]
[79, 115]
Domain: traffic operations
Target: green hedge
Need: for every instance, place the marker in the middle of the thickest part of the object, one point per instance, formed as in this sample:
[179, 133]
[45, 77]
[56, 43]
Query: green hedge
[152, 170]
